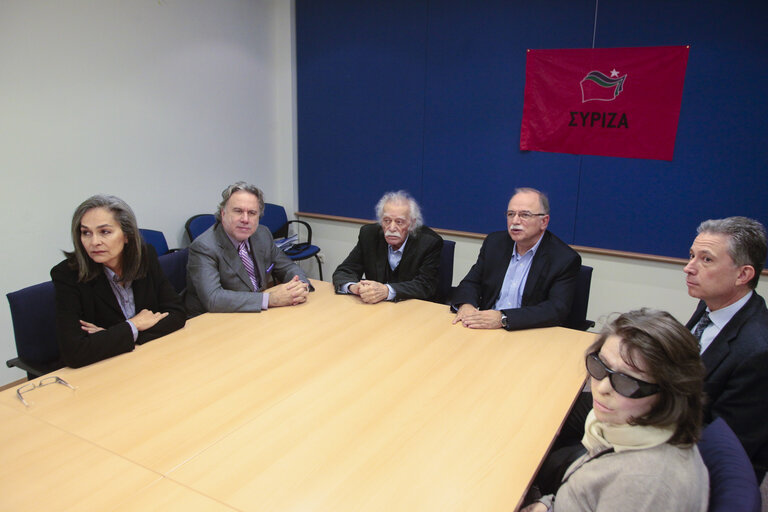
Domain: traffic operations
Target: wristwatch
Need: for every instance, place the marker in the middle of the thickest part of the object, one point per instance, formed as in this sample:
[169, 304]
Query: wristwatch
[503, 320]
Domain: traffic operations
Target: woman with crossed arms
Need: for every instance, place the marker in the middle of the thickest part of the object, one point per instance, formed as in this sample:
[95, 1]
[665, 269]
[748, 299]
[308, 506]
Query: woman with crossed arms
[111, 293]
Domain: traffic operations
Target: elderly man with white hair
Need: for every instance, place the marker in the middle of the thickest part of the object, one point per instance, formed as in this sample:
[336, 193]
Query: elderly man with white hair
[395, 259]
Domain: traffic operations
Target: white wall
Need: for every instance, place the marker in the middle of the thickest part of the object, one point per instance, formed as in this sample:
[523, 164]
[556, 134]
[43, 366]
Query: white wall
[161, 102]
[618, 284]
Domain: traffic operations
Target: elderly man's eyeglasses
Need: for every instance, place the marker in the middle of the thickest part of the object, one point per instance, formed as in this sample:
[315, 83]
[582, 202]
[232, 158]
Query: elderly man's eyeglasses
[53, 379]
[401, 223]
[623, 384]
[524, 215]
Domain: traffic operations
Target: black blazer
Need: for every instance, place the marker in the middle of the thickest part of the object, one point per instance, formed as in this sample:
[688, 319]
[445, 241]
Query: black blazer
[94, 302]
[416, 275]
[549, 289]
[736, 383]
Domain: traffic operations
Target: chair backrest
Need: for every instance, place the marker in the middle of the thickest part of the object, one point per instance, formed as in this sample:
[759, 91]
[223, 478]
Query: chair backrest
[156, 239]
[33, 312]
[275, 219]
[174, 265]
[197, 224]
[732, 481]
[577, 319]
[445, 274]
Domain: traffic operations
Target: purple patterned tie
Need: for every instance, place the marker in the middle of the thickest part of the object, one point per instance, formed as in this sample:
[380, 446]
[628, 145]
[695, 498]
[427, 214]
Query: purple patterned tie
[248, 263]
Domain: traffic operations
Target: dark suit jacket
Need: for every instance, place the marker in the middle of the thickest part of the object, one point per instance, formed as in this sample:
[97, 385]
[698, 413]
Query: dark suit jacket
[737, 377]
[416, 274]
[216, 277]
[549, 289]
[95, 302]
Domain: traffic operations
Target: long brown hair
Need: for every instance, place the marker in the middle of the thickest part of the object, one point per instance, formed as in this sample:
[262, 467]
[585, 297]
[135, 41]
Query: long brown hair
[671, 358]
[133, 255]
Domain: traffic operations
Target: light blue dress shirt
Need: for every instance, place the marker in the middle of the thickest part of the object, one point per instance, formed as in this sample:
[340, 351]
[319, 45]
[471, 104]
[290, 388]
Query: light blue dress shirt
[511, 296]
[394, 258]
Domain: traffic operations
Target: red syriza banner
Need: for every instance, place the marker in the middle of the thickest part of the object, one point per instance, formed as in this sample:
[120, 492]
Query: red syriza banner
[607, 101]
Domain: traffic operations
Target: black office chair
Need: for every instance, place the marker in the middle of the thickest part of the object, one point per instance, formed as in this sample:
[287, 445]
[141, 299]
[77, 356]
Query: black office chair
[577, 319]
[276, 220]
[732, 482]
[156, 239]
[33, 312]
[445, 274]
[174, 265]
[197, 224]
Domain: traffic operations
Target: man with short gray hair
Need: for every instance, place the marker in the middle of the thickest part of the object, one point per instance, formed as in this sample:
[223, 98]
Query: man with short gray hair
[731, 323]
[399, 256]
[231, 263]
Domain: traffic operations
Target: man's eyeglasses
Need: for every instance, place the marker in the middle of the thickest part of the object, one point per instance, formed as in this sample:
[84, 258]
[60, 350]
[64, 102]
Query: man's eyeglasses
[623, 384]
[524, 215]
[53, 379]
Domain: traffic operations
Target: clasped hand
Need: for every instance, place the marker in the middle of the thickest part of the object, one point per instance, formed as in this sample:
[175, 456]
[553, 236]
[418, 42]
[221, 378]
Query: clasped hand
[471, 317]
[291, 293]
[370, 292]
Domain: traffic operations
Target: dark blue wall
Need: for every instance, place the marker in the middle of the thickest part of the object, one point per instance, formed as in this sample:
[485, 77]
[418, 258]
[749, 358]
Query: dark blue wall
[428, 96]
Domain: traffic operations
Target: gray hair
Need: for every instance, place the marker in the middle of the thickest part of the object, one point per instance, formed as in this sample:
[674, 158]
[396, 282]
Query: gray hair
[543, 199]
[132, 256]
[401, 197]
[238, 187]
[746, 241]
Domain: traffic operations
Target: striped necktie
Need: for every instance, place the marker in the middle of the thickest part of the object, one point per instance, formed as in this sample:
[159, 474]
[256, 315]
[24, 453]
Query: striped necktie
[704, 322]
[248, 263]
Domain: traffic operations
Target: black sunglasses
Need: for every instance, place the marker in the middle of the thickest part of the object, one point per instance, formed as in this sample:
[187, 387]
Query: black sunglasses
[623, 384]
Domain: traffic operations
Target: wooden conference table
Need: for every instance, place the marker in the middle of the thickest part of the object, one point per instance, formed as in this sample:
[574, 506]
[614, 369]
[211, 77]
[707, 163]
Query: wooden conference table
[331, 405]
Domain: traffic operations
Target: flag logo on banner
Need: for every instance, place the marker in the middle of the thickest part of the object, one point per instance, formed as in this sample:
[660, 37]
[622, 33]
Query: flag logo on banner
[577, 101]
[598, 87]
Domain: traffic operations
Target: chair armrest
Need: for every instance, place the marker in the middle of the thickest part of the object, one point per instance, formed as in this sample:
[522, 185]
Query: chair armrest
[18, 363]
[309, 229]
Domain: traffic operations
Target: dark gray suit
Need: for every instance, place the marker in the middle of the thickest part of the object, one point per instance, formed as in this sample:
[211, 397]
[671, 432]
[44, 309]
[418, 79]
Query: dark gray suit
[217, 281]
[737, 377]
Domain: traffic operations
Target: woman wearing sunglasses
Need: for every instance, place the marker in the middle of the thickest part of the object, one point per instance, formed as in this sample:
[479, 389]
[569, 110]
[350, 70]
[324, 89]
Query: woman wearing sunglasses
[111, 293]
[647, 378]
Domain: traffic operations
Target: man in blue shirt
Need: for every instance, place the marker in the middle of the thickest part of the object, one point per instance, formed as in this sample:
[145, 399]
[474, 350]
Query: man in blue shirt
[524, 277]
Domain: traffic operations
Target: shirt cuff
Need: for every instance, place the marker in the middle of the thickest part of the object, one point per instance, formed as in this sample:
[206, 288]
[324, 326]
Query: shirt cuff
[134, 330]
[345, 287]
[391, 295]
[265, 301]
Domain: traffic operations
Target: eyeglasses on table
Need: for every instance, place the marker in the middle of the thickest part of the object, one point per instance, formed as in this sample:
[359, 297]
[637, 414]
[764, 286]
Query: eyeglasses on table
[53, 379]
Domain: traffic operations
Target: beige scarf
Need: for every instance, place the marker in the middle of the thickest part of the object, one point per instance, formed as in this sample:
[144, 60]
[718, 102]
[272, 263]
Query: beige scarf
[600, 436]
